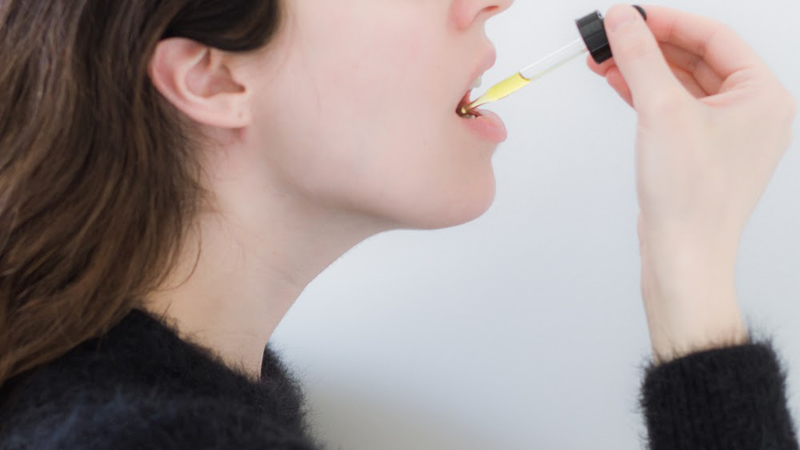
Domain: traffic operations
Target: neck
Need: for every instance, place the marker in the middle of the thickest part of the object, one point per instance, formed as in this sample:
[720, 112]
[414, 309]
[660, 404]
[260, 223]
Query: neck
[255, 259]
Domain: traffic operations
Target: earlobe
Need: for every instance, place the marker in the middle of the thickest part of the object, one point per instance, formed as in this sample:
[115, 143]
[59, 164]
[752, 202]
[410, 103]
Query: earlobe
[197, 80]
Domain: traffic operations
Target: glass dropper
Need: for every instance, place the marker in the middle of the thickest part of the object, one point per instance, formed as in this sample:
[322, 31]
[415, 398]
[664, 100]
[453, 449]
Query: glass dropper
[593, 40]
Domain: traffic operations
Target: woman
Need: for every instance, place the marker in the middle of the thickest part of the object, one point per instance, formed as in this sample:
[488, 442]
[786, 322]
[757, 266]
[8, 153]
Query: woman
[174, 173]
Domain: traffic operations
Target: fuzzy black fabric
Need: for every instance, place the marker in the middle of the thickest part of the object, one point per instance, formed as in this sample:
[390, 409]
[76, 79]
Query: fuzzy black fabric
[727, 399]
[141, 387]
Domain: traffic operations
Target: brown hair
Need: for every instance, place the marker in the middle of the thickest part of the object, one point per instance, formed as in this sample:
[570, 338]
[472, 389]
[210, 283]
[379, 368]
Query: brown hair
[99, 182]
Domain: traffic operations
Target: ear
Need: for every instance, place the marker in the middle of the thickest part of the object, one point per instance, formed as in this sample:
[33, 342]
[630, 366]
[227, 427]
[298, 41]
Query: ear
[197, 80]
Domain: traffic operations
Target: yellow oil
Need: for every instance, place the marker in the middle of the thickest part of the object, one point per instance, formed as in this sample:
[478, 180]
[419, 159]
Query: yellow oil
[498, 91]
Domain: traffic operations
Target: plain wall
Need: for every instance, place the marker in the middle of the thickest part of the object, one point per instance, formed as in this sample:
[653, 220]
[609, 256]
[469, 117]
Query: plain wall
[524, 328]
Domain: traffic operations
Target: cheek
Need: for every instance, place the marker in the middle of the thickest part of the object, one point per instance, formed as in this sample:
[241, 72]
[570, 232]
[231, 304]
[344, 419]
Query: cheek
[394, 72]
[369, 122]
[379, 166]
[383, 99]
[347, 99]
[346, 151]
[363, 57]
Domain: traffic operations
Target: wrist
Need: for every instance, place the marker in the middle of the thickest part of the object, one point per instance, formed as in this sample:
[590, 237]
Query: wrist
[690, 298]
[683, 323]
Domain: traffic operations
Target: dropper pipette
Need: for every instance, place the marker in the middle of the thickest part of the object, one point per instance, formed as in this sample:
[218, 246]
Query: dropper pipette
[593, 40]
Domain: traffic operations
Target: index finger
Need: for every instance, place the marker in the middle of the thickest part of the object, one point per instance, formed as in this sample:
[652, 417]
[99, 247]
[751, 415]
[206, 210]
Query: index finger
[717, 44]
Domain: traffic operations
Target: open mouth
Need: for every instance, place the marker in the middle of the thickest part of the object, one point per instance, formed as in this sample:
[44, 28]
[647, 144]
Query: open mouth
[465, 101]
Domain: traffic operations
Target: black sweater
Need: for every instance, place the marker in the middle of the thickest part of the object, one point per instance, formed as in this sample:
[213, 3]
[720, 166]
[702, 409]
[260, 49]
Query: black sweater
[141, 387]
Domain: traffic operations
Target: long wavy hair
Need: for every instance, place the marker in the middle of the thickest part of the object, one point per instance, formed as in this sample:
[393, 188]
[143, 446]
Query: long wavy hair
[99, 177]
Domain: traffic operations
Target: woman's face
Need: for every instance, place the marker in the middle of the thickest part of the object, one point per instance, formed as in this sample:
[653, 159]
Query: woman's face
[355, 108]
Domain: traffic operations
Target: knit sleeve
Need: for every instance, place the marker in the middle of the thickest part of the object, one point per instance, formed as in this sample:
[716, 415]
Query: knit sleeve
[726, 399]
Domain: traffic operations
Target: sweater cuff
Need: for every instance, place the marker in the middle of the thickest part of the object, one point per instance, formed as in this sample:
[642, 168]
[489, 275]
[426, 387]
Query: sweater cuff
[728, 398]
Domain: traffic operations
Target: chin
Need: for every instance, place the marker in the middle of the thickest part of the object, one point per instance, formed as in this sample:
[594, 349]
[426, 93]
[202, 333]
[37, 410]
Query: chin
[451, 212]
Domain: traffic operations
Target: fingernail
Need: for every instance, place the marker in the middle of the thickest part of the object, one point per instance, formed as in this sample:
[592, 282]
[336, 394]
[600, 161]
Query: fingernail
[641, 11]
[620, 18]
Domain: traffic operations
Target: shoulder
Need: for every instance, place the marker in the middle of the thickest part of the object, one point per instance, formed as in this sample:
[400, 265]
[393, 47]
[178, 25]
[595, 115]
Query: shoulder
[141, 386]
[126, 422]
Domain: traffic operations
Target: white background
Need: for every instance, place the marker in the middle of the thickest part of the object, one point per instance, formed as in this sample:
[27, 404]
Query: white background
[524, 329]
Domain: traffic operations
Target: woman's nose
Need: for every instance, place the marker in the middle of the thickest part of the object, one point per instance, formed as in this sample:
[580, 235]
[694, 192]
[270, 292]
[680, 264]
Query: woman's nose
[467, 12]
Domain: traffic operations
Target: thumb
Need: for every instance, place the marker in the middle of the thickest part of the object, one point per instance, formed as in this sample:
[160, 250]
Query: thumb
[638, 57]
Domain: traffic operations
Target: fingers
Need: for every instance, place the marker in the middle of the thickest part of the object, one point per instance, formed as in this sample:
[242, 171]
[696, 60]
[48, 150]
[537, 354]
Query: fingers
[689, 82]
[694, 73]
[616, 81]
[692, 64]
[639, 59]
[685, 41]
[719, 46]
[600, 69]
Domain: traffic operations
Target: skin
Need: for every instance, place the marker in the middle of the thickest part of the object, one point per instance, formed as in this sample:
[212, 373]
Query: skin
[713, 123]
[345, 127]
[342, 128]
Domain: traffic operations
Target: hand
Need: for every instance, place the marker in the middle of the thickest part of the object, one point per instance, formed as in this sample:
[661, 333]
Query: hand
[713, 123]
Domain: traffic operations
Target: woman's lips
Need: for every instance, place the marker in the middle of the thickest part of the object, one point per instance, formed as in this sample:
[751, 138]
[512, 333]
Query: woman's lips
[485, 124]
